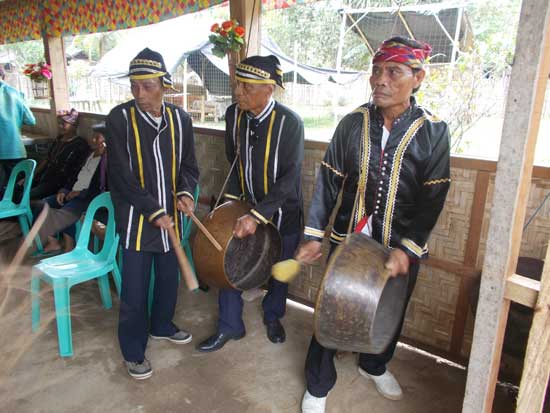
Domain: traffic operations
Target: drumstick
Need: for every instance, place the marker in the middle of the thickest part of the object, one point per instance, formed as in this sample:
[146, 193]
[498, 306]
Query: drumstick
[206, 232]
[185, 268]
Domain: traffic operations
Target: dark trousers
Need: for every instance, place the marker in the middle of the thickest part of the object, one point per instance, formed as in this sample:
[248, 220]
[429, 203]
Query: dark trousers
[230, 318]
[133, 330]
[320, 369]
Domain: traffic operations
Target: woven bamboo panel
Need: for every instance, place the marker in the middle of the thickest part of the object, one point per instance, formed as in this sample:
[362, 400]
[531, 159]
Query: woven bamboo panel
[536, 236]
[430, 315]
[448, 238]
[212, 163]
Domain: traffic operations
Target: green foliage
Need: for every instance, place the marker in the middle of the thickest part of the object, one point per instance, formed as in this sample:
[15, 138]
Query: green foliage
[459, 95]
[314, 30]
[94, 45]
[494, 23]
[24, 52]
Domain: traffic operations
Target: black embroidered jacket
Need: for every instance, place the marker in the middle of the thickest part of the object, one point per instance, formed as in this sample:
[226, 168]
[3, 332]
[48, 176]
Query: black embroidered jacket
[268, 173]
[403, 186]
[149, 165]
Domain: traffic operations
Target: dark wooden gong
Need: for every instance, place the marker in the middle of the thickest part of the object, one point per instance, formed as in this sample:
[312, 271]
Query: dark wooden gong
[359, 306]
[243, 263]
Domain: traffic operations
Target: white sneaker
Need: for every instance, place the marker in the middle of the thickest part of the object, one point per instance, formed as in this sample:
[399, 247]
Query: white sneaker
[312, 404]
[386, 384]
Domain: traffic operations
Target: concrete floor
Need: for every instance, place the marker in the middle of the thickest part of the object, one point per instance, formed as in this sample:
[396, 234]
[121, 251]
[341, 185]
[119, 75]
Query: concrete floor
[251, 375]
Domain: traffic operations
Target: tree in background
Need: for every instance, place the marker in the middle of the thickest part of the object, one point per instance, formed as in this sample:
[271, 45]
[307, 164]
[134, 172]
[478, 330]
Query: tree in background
[315, 29]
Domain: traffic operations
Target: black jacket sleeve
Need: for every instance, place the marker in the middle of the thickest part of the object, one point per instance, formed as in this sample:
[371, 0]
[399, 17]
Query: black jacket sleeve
[76, 159]
[233, 189]
[329, 182]
[435, 185]
[291, 157]
[121, 178]
[188, 177]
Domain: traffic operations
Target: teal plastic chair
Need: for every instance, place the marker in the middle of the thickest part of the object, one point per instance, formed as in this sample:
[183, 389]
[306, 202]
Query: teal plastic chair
[22, 210]
[187, 224]
[75, 267]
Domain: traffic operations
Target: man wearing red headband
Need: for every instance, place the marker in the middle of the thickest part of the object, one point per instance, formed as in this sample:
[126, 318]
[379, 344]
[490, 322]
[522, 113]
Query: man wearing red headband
[390, 160]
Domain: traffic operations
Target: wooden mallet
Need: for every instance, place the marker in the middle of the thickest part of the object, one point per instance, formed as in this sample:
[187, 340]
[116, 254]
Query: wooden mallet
[285, 271]
[185, 268]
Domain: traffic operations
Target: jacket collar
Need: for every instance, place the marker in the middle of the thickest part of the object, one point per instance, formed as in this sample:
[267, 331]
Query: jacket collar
[404, 116]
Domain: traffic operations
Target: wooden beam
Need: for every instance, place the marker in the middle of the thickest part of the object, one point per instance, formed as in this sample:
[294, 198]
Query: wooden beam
[521, 124]
[470, 260]
[453, 267]
[55, 55]
[536, 367]
[522, 290]
[477, 213]
[247, 13]
[476, 218]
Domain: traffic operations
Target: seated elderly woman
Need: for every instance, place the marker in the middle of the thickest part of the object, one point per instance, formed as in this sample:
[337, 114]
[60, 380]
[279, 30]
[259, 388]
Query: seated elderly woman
[73, 199]
[64, 159]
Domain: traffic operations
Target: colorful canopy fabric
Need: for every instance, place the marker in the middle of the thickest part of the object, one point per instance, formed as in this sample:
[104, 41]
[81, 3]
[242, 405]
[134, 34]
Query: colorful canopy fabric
[22, 20]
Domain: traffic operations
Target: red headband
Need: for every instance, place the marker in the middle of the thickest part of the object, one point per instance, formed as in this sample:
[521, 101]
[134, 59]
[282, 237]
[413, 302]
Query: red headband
[392, 51]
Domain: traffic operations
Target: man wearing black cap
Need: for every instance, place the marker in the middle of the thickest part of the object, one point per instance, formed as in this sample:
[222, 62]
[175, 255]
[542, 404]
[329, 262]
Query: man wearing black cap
[390, 160]
[152, 175]
[268, 139]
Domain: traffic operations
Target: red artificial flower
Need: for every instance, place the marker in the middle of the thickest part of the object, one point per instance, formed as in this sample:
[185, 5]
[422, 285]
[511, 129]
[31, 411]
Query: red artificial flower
[226, 25]
[215, 28]
[239, 31]
[223, 33]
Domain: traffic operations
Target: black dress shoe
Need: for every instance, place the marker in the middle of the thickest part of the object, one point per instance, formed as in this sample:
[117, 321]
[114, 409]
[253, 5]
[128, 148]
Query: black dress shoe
[217, 341]
[275, 331]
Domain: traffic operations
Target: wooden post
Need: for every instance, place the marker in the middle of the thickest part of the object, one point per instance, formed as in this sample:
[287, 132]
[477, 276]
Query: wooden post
[536, 366]
[521, 123]
[247, 13]
[55, 55]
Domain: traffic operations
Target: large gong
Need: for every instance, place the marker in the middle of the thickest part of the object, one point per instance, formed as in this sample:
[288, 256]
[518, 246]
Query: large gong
[359, 307]
[243, 263]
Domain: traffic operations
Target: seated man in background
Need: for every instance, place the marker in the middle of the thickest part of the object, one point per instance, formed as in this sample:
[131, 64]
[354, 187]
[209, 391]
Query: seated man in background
[64, 159]
[72, 200]
[14, 112]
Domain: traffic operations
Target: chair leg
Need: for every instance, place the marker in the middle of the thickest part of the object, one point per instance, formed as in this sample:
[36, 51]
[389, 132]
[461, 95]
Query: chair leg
[117, 278]
[105, 291]
[63, 316]
[35, 299]
[26, 223]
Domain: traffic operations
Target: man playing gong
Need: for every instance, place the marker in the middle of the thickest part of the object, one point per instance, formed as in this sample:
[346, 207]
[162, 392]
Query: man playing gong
[390, 160]
[268, 140]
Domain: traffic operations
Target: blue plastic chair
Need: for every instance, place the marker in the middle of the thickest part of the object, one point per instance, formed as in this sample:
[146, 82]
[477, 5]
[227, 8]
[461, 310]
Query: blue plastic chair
[187, 224]
[22, 210]
[77, 266]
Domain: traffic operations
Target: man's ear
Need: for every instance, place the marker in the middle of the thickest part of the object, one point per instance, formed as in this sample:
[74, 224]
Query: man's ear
[419, 77]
